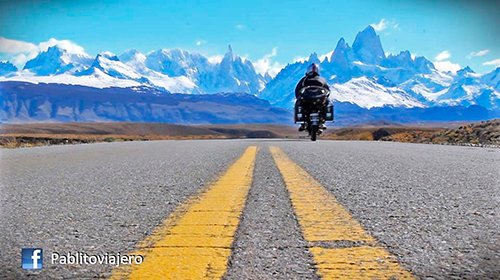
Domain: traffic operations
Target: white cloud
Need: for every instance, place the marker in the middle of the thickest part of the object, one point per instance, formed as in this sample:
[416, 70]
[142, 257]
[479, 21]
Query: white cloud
[19, 60]
[265, 65]
[479, 53]
[15, 46]
[19, 52]
[67, 45]
[444, 55]
[447, 66]
[384, 24]
[200, 42]
[215, 59]
[244, 57]
[381, 25]
[442, 62]
[240, 26]
[495, 62]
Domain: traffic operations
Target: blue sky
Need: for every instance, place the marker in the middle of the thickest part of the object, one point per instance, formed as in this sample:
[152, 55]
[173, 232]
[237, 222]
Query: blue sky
[271, 33]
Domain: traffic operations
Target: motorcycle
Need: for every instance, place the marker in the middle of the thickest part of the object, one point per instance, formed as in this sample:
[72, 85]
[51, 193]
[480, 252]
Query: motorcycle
[313, 110]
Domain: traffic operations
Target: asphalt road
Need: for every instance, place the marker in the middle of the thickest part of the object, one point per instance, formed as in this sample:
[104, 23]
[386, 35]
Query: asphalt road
[435, 208]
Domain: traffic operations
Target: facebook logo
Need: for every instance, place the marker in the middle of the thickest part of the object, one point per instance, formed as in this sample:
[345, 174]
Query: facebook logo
[32, 258]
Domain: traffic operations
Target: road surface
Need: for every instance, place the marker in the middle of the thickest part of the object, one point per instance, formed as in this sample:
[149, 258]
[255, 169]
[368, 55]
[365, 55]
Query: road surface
[254, 209]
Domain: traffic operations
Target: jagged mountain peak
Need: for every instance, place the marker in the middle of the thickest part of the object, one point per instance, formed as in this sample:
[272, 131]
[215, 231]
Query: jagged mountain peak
[342, 46]
[313, 58]
[368, 47]
[57, 60]
[58, 50]
[404, 55]
[6, 68]
[465, 70]
[400, 60]
[230, 55]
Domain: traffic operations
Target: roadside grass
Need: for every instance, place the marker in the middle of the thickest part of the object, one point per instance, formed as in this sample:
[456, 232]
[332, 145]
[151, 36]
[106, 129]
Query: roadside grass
[33, 140]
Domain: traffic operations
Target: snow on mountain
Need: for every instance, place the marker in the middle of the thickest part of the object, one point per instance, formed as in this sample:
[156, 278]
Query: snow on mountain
[111, 65]
[362, 75]
[62, 66]
[171, 70]
[56, 60]
[137, 61]
[427, 87]
[367, 93]
[492, 79]
[7, 68]
[232, 73]
[176, 62]
[469, 88]
[411, 81]
[97, 79]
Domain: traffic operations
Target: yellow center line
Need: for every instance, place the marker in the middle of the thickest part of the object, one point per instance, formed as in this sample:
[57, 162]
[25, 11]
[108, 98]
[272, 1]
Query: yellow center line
[195, 241]
[341, 248]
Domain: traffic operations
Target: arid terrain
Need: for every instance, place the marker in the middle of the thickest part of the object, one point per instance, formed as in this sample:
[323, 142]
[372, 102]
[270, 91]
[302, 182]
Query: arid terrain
[39, 134]
[480, 133]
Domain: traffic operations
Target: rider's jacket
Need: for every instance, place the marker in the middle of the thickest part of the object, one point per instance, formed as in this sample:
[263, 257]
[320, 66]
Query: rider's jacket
[313, 79]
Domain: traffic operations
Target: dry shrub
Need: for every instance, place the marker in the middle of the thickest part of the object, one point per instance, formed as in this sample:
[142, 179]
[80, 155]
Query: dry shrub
[365, 136]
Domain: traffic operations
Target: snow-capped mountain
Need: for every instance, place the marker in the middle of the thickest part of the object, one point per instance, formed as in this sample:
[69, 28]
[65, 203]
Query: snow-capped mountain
[172, 70]
[156, 74]
[361, 74]
[234, 72]
[56, 60]
[367, 47]
[365, 76]
[368, 93]
[492, 79]
[109, 64]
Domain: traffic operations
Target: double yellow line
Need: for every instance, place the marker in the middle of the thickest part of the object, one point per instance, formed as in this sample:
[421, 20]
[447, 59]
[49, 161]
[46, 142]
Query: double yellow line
[341, 248]
[195, 241]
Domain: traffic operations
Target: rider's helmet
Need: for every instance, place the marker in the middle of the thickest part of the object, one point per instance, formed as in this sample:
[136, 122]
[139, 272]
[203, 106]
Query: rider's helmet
[313, 68]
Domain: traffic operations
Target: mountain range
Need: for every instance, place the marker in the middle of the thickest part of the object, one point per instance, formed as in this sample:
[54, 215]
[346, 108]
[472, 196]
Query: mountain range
[361, 76]
[364, 75]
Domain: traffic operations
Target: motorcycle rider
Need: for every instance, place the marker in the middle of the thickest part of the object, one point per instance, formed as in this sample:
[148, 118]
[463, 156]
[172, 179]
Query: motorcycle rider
[311, 78]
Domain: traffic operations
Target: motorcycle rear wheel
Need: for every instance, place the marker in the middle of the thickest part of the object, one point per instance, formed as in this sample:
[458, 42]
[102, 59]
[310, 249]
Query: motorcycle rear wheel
[314, 132]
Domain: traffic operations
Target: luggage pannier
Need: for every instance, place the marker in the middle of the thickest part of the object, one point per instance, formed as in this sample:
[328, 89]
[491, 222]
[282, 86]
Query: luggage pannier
[329, 112]
[299, 114]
